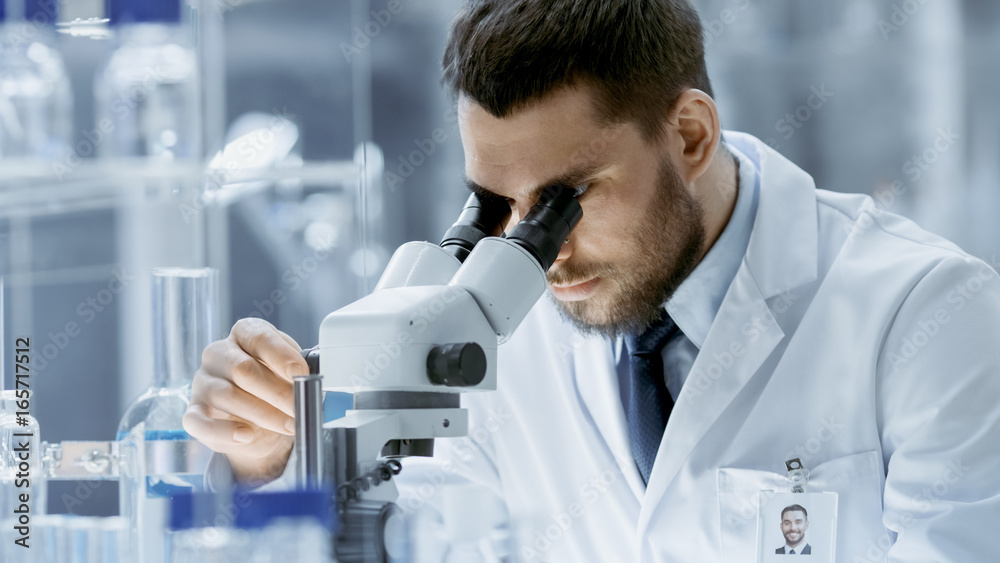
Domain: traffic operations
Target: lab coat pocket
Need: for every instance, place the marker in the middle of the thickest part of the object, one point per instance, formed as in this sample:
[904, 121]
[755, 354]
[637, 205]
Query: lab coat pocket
[857, 479]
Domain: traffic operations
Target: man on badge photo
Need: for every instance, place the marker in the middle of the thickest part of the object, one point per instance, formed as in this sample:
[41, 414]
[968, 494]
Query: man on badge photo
[794, 523]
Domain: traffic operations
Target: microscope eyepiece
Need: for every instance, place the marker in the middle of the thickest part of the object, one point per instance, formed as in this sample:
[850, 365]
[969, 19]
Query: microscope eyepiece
[479, 218]
[547, 225]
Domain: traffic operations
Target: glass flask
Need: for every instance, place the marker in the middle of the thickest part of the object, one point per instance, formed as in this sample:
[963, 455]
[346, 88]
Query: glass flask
[158, 458]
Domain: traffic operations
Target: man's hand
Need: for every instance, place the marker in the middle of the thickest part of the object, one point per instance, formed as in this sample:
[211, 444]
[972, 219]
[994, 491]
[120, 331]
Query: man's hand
[242, 400]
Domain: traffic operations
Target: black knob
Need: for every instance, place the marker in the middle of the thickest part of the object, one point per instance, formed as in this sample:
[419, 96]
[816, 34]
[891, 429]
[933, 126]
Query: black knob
[311, 356]
[456, 365]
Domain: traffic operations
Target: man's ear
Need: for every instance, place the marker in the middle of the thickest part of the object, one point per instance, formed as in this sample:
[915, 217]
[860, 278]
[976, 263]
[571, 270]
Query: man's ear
[694, 133]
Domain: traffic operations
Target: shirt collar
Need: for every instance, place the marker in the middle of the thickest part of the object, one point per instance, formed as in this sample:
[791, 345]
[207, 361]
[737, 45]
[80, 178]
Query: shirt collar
[696, 302]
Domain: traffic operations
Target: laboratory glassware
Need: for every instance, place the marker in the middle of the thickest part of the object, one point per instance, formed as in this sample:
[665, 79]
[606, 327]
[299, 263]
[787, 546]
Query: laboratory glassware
[35, 98]
[158, 458]
[146, 93]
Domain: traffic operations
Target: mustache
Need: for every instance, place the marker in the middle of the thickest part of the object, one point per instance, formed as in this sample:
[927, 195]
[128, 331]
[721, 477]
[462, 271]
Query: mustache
[571, 274]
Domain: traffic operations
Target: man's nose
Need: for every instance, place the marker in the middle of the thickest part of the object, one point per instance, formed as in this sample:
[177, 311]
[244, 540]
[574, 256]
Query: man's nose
[566, 250]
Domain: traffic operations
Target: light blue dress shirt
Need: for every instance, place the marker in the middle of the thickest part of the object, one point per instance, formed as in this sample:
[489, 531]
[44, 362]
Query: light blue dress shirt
[696, 302]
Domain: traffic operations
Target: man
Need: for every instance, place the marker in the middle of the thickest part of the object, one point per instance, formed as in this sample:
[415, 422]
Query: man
[709, 291]
[794, 523]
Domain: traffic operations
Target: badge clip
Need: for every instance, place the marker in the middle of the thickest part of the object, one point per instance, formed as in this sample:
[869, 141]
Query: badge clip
[798, 474]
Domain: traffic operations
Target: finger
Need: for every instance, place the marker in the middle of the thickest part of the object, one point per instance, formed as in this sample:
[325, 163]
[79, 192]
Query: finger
[223, 436]
[304, 367]
[246, 372]
[261, 340]
[213, 357]
[227, 397]
[291, 341]
[258, 380]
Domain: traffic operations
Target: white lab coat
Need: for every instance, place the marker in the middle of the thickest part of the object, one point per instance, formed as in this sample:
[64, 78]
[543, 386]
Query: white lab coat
[849, 338]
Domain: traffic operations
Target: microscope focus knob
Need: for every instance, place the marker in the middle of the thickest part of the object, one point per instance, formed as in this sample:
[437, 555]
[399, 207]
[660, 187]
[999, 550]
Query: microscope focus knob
[456, 365]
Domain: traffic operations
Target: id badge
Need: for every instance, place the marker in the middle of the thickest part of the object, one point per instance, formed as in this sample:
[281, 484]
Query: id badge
[802, 522]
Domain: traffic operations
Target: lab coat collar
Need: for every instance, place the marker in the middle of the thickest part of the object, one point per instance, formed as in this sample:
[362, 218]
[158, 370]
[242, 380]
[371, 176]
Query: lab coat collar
[786, 220]
[696, 302]
[782, 255]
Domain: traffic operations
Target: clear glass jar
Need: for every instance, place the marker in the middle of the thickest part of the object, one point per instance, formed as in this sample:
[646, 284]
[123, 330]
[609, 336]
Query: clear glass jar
[35, 96]
[147, 97]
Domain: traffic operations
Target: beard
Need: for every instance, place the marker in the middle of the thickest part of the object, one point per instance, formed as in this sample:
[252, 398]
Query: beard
[793, 538]
[665, 247]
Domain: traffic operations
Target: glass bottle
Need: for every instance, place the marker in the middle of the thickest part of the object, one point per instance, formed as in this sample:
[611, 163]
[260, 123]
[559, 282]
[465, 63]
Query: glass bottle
[35, 97]
[159, 459]
[147, 94]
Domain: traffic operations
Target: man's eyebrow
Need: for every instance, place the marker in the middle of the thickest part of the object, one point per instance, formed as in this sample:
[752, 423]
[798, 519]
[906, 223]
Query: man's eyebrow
[571, 178]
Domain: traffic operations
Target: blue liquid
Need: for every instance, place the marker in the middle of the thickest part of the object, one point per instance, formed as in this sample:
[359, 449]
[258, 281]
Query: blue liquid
[166, 486]
[151, 435]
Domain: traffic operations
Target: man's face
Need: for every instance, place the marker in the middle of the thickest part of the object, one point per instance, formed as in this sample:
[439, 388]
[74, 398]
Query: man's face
[642, 230]
[794, 525]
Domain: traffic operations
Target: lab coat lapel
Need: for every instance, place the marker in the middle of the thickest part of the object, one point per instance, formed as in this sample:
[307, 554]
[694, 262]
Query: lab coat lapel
[732, 353]
[745, 331]
[597, 384]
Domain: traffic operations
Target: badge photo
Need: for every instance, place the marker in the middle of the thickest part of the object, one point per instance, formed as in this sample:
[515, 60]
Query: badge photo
[791, 524]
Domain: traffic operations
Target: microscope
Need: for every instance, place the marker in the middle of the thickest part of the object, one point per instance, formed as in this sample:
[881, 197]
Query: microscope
[428, 332]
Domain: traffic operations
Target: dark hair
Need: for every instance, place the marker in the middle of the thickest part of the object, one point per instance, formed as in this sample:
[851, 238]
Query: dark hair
[639, 55]
[795, 508]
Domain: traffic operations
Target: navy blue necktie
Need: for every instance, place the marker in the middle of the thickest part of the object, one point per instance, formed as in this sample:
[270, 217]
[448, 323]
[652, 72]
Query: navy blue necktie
[649, 402]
